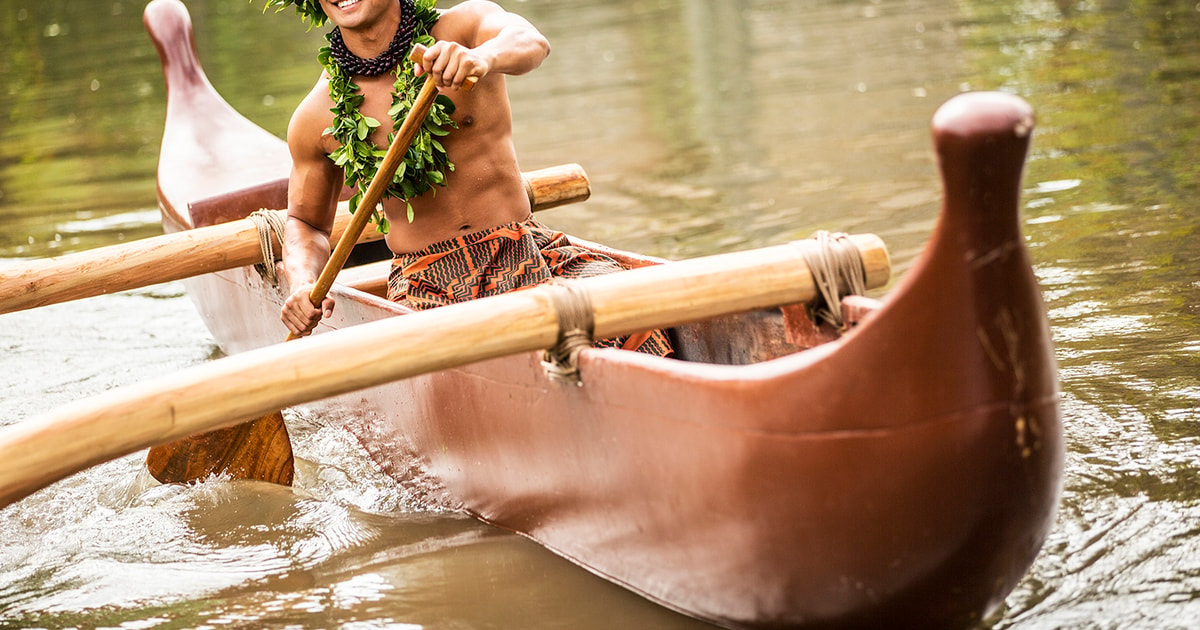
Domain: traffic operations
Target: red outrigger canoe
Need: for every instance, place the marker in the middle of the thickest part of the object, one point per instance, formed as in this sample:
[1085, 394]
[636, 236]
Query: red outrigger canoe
[904, 474]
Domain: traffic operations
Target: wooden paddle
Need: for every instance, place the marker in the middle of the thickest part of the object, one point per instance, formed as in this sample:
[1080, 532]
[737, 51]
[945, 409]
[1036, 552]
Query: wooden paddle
[260, 449]
[204, 250]
[41, 450]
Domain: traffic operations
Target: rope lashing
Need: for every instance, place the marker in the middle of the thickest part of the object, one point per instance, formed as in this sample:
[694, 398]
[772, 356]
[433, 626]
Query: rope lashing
[834, 262]
[268, 222]
[573, 307]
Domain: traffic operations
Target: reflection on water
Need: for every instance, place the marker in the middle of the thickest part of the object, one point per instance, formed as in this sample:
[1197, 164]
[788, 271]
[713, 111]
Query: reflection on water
[248, 553]
[1113, 212]
[706, 126]
[717, 125]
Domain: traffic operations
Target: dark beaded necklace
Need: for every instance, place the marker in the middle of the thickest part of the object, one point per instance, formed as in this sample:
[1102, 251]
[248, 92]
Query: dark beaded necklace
[388, 59]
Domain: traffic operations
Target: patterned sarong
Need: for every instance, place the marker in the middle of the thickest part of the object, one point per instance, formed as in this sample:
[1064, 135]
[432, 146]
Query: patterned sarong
[506, 258]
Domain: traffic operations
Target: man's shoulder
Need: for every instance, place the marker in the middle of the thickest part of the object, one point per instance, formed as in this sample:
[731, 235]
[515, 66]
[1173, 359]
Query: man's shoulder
[312, 117]
[462, 20]
[317, 103]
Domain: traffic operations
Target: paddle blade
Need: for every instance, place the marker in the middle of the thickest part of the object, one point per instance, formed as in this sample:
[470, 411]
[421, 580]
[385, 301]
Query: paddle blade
[259, 449]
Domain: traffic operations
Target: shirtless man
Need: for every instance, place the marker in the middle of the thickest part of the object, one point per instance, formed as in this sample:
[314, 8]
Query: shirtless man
[483, 210]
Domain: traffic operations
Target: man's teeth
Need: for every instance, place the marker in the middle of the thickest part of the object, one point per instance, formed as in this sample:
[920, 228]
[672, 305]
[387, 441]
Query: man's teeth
[345, 3]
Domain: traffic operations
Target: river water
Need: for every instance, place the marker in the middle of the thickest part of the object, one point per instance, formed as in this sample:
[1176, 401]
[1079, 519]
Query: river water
[705, 126]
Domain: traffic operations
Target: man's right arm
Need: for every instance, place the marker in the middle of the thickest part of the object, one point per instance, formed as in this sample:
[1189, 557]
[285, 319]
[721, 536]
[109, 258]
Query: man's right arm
[313, 189]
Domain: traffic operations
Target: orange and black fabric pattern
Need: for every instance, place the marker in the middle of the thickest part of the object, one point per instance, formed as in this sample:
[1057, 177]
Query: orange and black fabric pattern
[506, 258]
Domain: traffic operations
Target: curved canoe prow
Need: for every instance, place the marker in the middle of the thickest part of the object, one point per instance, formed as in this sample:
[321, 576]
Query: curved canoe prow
[208, 148]
[905, 475]
[970, 301]
[965, 395]
[977, 251]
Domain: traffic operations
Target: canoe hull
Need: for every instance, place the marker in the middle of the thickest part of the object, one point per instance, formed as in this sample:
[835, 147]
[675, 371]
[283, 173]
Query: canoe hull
[726, 495]
[904, 475]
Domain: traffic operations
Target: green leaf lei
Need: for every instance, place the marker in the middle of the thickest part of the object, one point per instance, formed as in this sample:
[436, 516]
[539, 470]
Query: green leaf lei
[425, 164]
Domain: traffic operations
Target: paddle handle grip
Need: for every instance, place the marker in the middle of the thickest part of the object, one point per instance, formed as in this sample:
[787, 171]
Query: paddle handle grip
[417, 56]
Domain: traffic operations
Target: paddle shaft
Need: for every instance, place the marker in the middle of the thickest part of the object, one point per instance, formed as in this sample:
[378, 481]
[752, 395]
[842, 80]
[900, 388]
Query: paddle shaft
[224, 392]
[195, 252]
[375, 191]
[412, 124]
